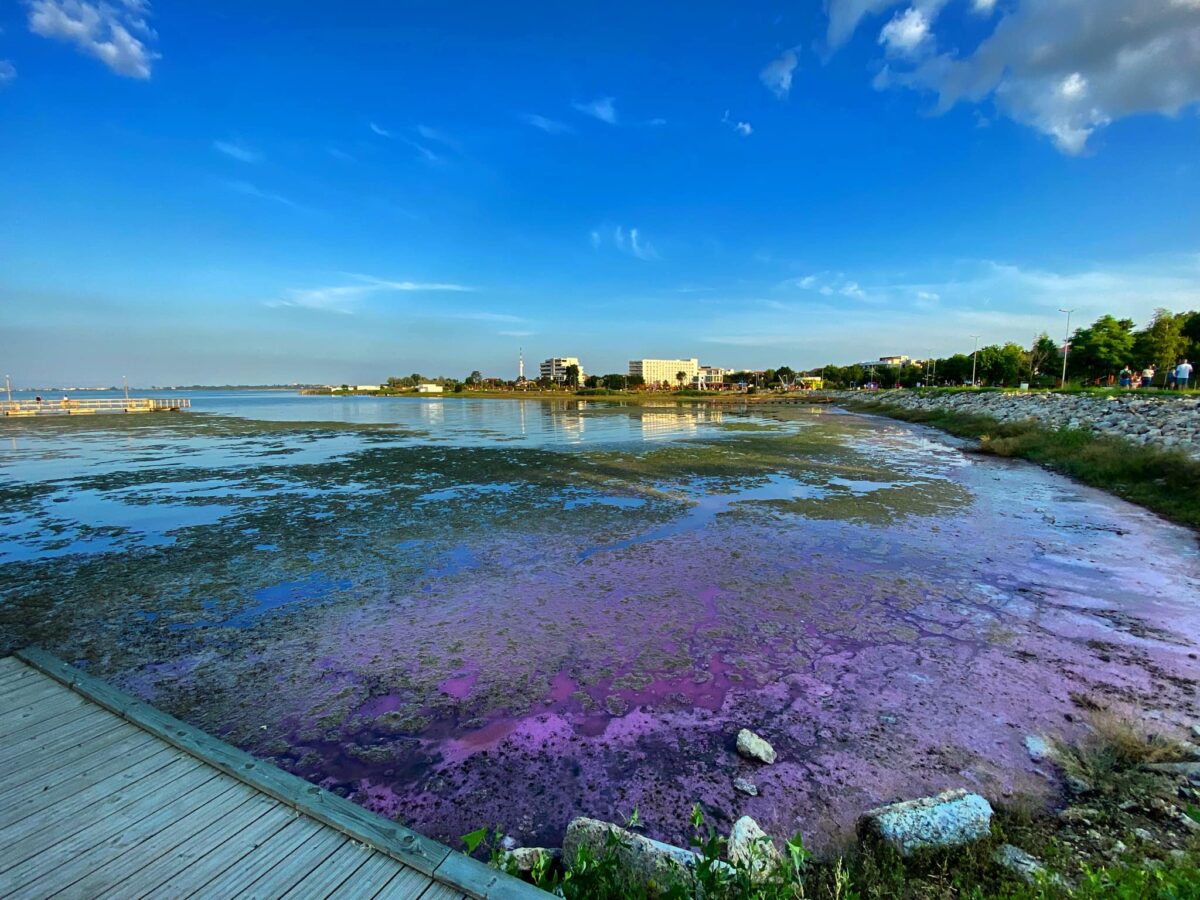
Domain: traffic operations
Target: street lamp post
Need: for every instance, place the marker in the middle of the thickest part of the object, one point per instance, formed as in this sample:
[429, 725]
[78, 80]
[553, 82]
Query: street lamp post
[8, 387]
[1066, 345]
[974, 354]
[125, 381]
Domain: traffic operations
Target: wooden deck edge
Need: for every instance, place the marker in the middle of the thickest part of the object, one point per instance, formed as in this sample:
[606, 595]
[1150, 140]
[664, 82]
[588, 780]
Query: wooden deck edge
[427, 856]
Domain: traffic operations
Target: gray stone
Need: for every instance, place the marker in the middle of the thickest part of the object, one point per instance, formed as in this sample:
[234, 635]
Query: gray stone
[745, 786]
[950, 819]
[523, 859]
[1024, 865]
[751, 746]
[1196, 732]
[750, 846]
[1189, 770]
[651, 864]
[1143, 835]
[1039, 748]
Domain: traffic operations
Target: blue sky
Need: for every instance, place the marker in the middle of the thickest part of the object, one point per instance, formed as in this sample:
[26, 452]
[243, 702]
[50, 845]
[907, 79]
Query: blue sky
[328, 192]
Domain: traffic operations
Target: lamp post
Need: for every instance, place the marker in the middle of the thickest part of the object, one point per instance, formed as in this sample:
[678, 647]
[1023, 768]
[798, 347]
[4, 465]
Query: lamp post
[8, 387]
[125, 380]
[1066, 345]
[974, 355]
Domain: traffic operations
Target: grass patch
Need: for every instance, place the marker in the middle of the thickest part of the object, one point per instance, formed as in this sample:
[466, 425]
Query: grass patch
[1164, 480]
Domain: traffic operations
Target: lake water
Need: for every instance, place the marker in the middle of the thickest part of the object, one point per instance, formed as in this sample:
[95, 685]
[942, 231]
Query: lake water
[463, 612]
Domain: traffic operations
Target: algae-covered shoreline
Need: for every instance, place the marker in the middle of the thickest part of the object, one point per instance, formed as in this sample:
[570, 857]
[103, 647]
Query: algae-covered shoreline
[451, 633]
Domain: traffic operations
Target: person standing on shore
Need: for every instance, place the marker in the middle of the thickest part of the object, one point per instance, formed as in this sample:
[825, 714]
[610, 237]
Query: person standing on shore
[1148, 376]
[1183, 374]
[1126, 377]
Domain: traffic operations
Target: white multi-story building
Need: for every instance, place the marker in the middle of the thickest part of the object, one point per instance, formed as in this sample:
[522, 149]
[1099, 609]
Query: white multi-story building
[711, 376]
[665, 371]
[555, 368]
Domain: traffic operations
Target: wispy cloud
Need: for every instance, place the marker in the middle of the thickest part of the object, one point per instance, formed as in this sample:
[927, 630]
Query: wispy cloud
[338, 153]
[116, 34]
[745, 129]
[550, 126]
[516, 333]
[628, 241]
[829, 285]
[344, 298]
[7, 72]
[382, 132]
[439, 137]
[777, 74]
[239, 151]
[250, 189]
[487, 316]
[603, 108]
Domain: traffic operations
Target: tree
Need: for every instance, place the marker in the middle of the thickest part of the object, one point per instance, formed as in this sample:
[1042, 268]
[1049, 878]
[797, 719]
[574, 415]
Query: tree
[1044, 357]
[636, 381]
[1102, 348]
[592, 381]
[571, 376]
[1162, 342]
[474, 378]
[681, 376]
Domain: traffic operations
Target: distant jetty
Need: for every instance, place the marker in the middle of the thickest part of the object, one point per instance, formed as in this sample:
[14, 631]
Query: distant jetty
[69, 406]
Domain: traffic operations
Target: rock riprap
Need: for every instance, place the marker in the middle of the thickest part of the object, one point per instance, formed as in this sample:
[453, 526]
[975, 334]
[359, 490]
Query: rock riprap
[644, 861]
[750, 846]
[949, 819]
[751, 746]
[1158, 420]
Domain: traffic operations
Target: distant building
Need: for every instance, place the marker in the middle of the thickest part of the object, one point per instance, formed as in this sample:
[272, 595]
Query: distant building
[711, 376]
[368, 387]
[429, 388]
[664, 371]
[556, 367]
[888, 362]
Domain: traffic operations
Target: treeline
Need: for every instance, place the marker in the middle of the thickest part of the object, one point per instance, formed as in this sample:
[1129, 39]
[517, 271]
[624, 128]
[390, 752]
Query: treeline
[1096, 352]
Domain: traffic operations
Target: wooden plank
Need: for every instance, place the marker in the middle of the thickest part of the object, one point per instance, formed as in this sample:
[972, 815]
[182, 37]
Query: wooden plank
[67, 800]
[10, 665]
[233, 882]
[439, 891]
[407, 884]
[35, 702]
[340, 866]
[297, 865]
[68, 762]
[17, 680]
[202, 870]
[42, 835]
[123, 856]
[470, 876]
[51, 847]
[77, 725]
[369, 879]
[230, 839]
[397, 841]
[64, 862]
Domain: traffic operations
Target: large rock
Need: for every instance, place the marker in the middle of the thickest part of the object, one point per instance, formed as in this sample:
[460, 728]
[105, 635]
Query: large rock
[524, 859]
[751, 746]
[1025, 866]
[648, 863]
[750, 846]
[950, 819]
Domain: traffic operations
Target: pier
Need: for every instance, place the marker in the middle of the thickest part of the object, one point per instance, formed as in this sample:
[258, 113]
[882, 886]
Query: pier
[104, 795]
[68, 406]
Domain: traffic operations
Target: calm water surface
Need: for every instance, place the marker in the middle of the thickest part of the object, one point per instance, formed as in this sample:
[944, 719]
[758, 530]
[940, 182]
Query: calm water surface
[463, 612]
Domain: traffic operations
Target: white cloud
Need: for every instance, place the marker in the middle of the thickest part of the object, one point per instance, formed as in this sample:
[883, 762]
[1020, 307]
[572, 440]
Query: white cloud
[516, 333]
[628, 241]
[777, 74]
[828, 284]
[907, 34]
[1066, 68]
[239, 151]
[7, 72]
[983, 7]
[344, 298]
[440, 137]
[550, 126]
[844, 16]
[252, 190]
[102, 30]
[382, 132]
[745, 129]
[603, 109]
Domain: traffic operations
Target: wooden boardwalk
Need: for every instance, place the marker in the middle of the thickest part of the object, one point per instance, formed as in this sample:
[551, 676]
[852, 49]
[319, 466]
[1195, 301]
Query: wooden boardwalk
[102, 795]
[89, 406]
